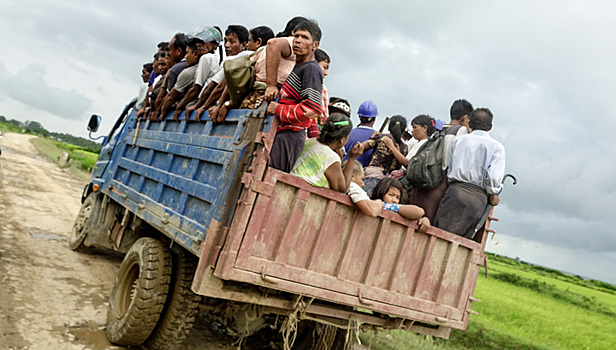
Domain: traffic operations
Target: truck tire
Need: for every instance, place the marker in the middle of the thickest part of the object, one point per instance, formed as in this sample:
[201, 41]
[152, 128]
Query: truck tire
[80, 227]
[139, 292]
[181, 309]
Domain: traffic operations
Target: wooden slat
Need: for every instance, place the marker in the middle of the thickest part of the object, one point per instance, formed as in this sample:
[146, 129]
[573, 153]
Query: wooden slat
[286, 244]
[321, 238]
[403, 254]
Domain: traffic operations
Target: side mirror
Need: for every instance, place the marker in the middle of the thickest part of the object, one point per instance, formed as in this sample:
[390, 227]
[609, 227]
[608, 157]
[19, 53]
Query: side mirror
[94, 123]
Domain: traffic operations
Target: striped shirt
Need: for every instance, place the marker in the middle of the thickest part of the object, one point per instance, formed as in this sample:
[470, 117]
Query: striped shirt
[301, 97]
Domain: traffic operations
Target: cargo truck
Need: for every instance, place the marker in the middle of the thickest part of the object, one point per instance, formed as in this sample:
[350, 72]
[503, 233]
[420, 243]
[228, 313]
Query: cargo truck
[208, 227]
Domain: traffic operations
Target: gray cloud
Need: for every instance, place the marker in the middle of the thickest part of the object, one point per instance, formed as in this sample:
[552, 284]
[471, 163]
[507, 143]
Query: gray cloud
[29, 87]
[544, 68]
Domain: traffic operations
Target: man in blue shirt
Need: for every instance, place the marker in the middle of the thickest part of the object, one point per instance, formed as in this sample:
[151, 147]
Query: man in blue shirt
[367, 116]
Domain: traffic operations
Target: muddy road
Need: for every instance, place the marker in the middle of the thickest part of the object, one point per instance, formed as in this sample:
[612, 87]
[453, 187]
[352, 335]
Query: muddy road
[51, 297]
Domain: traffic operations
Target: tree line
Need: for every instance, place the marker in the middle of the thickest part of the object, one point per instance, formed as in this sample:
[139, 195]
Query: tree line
[34, 127]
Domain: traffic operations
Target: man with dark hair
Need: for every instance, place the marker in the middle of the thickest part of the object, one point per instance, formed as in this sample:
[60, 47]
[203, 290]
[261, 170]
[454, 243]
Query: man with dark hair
[280, 59]
[476, 170]
[143, 89]
[163, 46]
[300, 98]
[236, 39]
[185, 79]
[459, 111]
[177, 51]
[367, 115]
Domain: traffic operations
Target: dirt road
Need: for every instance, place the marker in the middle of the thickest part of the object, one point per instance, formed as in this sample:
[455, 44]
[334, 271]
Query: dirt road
[51, 297]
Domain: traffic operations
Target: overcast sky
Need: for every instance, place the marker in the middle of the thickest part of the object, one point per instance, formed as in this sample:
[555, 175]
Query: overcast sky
[545, 68]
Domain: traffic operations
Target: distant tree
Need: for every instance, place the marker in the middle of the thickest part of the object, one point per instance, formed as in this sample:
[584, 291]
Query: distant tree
[35, 127]
[2, 119]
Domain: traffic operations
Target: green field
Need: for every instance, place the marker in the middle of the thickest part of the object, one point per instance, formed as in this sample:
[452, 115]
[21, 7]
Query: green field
[524, 307]
[81, 161]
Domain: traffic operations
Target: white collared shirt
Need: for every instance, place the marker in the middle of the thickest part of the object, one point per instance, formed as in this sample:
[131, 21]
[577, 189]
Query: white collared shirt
[478, 159]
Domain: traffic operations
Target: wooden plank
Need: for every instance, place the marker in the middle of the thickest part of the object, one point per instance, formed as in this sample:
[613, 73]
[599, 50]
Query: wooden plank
[423, 271]
[447, 276]
[286, 244]
[401, 258]
[379, 249]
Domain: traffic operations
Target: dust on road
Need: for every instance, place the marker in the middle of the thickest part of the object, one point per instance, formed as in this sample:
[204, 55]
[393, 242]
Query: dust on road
[50, 296]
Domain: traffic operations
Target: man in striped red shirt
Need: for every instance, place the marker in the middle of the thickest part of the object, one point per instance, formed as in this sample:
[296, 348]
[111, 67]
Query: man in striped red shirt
[301, 98]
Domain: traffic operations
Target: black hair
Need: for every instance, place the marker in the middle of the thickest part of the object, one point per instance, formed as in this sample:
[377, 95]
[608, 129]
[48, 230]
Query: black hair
[163, 46]
[312, 27]
[366, 120]
[160, 54]
[192, 44]
[288, 30]
[382, 187]
[180, 41]
[397, 125]
[337, 127]
[480, 119]
[240, 31]
[148, 67]
[407, 135]
[220, 47]
[425, 120]
[459, 109]
[321, 56]
[262, 32]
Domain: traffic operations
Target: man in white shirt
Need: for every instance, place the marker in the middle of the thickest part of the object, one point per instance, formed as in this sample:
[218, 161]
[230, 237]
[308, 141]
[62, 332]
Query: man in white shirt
[476, 170]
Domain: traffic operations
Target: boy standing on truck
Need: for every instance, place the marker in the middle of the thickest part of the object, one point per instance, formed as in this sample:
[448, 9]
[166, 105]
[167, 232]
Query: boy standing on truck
[300, 98]
[476, 170]
[185, 79]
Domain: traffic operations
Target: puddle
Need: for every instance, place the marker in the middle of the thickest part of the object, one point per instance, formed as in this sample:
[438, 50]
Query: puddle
[95, 339]
[48, 236]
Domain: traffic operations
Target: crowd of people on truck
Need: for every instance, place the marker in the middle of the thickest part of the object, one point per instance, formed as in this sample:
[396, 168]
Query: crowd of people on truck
[316, 140]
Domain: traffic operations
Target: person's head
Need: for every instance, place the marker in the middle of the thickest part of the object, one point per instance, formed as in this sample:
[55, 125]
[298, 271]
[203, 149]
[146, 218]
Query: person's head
[146, 71]
[367, 113]
[389, 190]
[163, 46]
[339, 105]
[206, 38]
[192, 54]
[422, 127]
[397, 126]
[161, 63]
[288, 29]
[177, 47]
[358, 175]
[459, 110]
[306, 39]
[259, 36]
[236, 39]
[323, 59]
[336, 130]
[480, 119]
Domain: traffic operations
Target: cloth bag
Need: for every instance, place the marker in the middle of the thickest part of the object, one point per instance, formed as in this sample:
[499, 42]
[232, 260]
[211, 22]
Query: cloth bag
[240, 76]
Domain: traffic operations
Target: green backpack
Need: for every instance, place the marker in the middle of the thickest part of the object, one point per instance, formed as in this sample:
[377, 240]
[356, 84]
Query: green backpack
[240, 76]
[425, 168]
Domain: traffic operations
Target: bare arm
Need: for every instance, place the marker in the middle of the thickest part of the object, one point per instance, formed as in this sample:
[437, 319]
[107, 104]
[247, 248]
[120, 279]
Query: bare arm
[411, 212]
[190, 95]
[370, 207]
[276, 49]
[401, 158]
[169, 100]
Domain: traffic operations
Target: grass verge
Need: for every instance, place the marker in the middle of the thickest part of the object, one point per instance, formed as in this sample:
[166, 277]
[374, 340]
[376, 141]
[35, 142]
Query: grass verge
[80, 161]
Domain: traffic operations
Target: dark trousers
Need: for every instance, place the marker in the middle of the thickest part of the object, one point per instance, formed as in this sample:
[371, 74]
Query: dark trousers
[461, 208]
[287, 147]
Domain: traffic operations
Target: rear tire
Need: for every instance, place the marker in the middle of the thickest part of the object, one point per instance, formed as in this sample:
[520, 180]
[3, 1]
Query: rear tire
[181, 308]
[80, 227]
[139, 292]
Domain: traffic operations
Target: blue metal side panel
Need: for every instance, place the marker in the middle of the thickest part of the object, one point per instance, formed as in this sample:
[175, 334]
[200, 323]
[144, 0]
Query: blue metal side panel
[176, 175]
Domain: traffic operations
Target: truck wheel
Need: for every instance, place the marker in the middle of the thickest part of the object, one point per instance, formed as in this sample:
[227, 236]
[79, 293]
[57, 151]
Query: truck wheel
[139, 292]
[80, 227]
[181, 308]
